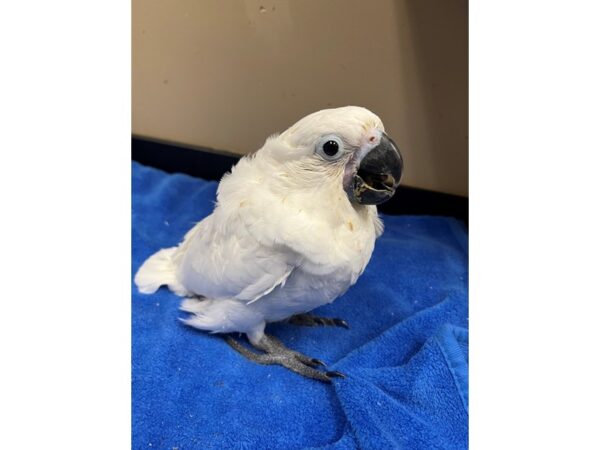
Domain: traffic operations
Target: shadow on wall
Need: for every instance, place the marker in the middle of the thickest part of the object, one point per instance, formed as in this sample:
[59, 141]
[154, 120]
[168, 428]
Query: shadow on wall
[436, 34]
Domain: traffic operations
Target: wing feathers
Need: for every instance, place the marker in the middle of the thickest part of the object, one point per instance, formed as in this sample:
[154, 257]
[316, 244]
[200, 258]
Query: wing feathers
[220, 263]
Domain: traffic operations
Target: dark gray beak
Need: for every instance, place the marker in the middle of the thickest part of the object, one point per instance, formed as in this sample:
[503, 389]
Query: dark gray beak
[378, 174]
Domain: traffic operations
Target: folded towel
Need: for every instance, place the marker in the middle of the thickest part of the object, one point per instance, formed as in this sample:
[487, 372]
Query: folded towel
[405, 354]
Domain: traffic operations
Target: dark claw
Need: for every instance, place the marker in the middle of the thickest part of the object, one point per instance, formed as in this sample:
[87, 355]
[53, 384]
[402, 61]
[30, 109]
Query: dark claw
[317, 362]
[335, 374]
[341, 323]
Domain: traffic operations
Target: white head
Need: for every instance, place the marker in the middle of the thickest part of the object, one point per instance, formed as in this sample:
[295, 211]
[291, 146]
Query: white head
[347, 146]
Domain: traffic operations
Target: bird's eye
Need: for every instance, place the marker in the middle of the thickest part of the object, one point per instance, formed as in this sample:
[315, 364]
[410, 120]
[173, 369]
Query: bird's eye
[330, 147]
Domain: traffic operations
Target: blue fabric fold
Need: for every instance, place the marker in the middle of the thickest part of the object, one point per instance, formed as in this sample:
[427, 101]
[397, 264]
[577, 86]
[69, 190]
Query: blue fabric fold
[405, 354]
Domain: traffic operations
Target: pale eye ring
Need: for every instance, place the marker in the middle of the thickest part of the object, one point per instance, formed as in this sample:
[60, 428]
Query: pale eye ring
[330, 147]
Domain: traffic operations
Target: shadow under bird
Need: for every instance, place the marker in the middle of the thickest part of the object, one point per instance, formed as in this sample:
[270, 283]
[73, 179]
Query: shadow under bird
[293, 228]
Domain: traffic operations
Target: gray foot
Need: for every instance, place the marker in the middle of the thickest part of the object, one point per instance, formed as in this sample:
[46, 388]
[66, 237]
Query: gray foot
[308, 320]
[277, 353]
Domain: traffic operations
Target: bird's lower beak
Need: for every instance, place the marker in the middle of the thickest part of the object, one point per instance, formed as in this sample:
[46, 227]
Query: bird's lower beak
[374, 178]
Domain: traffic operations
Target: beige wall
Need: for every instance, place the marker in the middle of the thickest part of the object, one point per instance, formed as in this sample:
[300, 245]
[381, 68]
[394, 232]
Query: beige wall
[227, 73]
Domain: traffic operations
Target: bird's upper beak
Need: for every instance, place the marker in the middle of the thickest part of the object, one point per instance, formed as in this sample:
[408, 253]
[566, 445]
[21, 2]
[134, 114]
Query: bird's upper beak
[371, 178]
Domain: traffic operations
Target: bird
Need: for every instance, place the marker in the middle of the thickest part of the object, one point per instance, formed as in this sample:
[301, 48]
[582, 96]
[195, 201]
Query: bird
[293, 227]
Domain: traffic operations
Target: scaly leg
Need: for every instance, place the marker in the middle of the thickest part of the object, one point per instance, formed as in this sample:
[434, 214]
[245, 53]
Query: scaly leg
[308, 320]
[277, 353]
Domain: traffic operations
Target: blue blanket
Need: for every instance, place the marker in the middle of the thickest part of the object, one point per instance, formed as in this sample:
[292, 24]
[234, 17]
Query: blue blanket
[405, 354]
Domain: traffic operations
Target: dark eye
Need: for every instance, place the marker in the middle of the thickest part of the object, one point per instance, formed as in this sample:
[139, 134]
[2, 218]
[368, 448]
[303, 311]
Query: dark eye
[330, 147]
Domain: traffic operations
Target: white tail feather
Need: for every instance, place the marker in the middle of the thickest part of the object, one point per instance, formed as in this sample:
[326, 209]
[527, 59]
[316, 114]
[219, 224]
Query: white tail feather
[159, 270]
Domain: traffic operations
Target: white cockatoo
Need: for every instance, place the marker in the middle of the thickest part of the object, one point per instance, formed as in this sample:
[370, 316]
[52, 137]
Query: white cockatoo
[293, 228]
